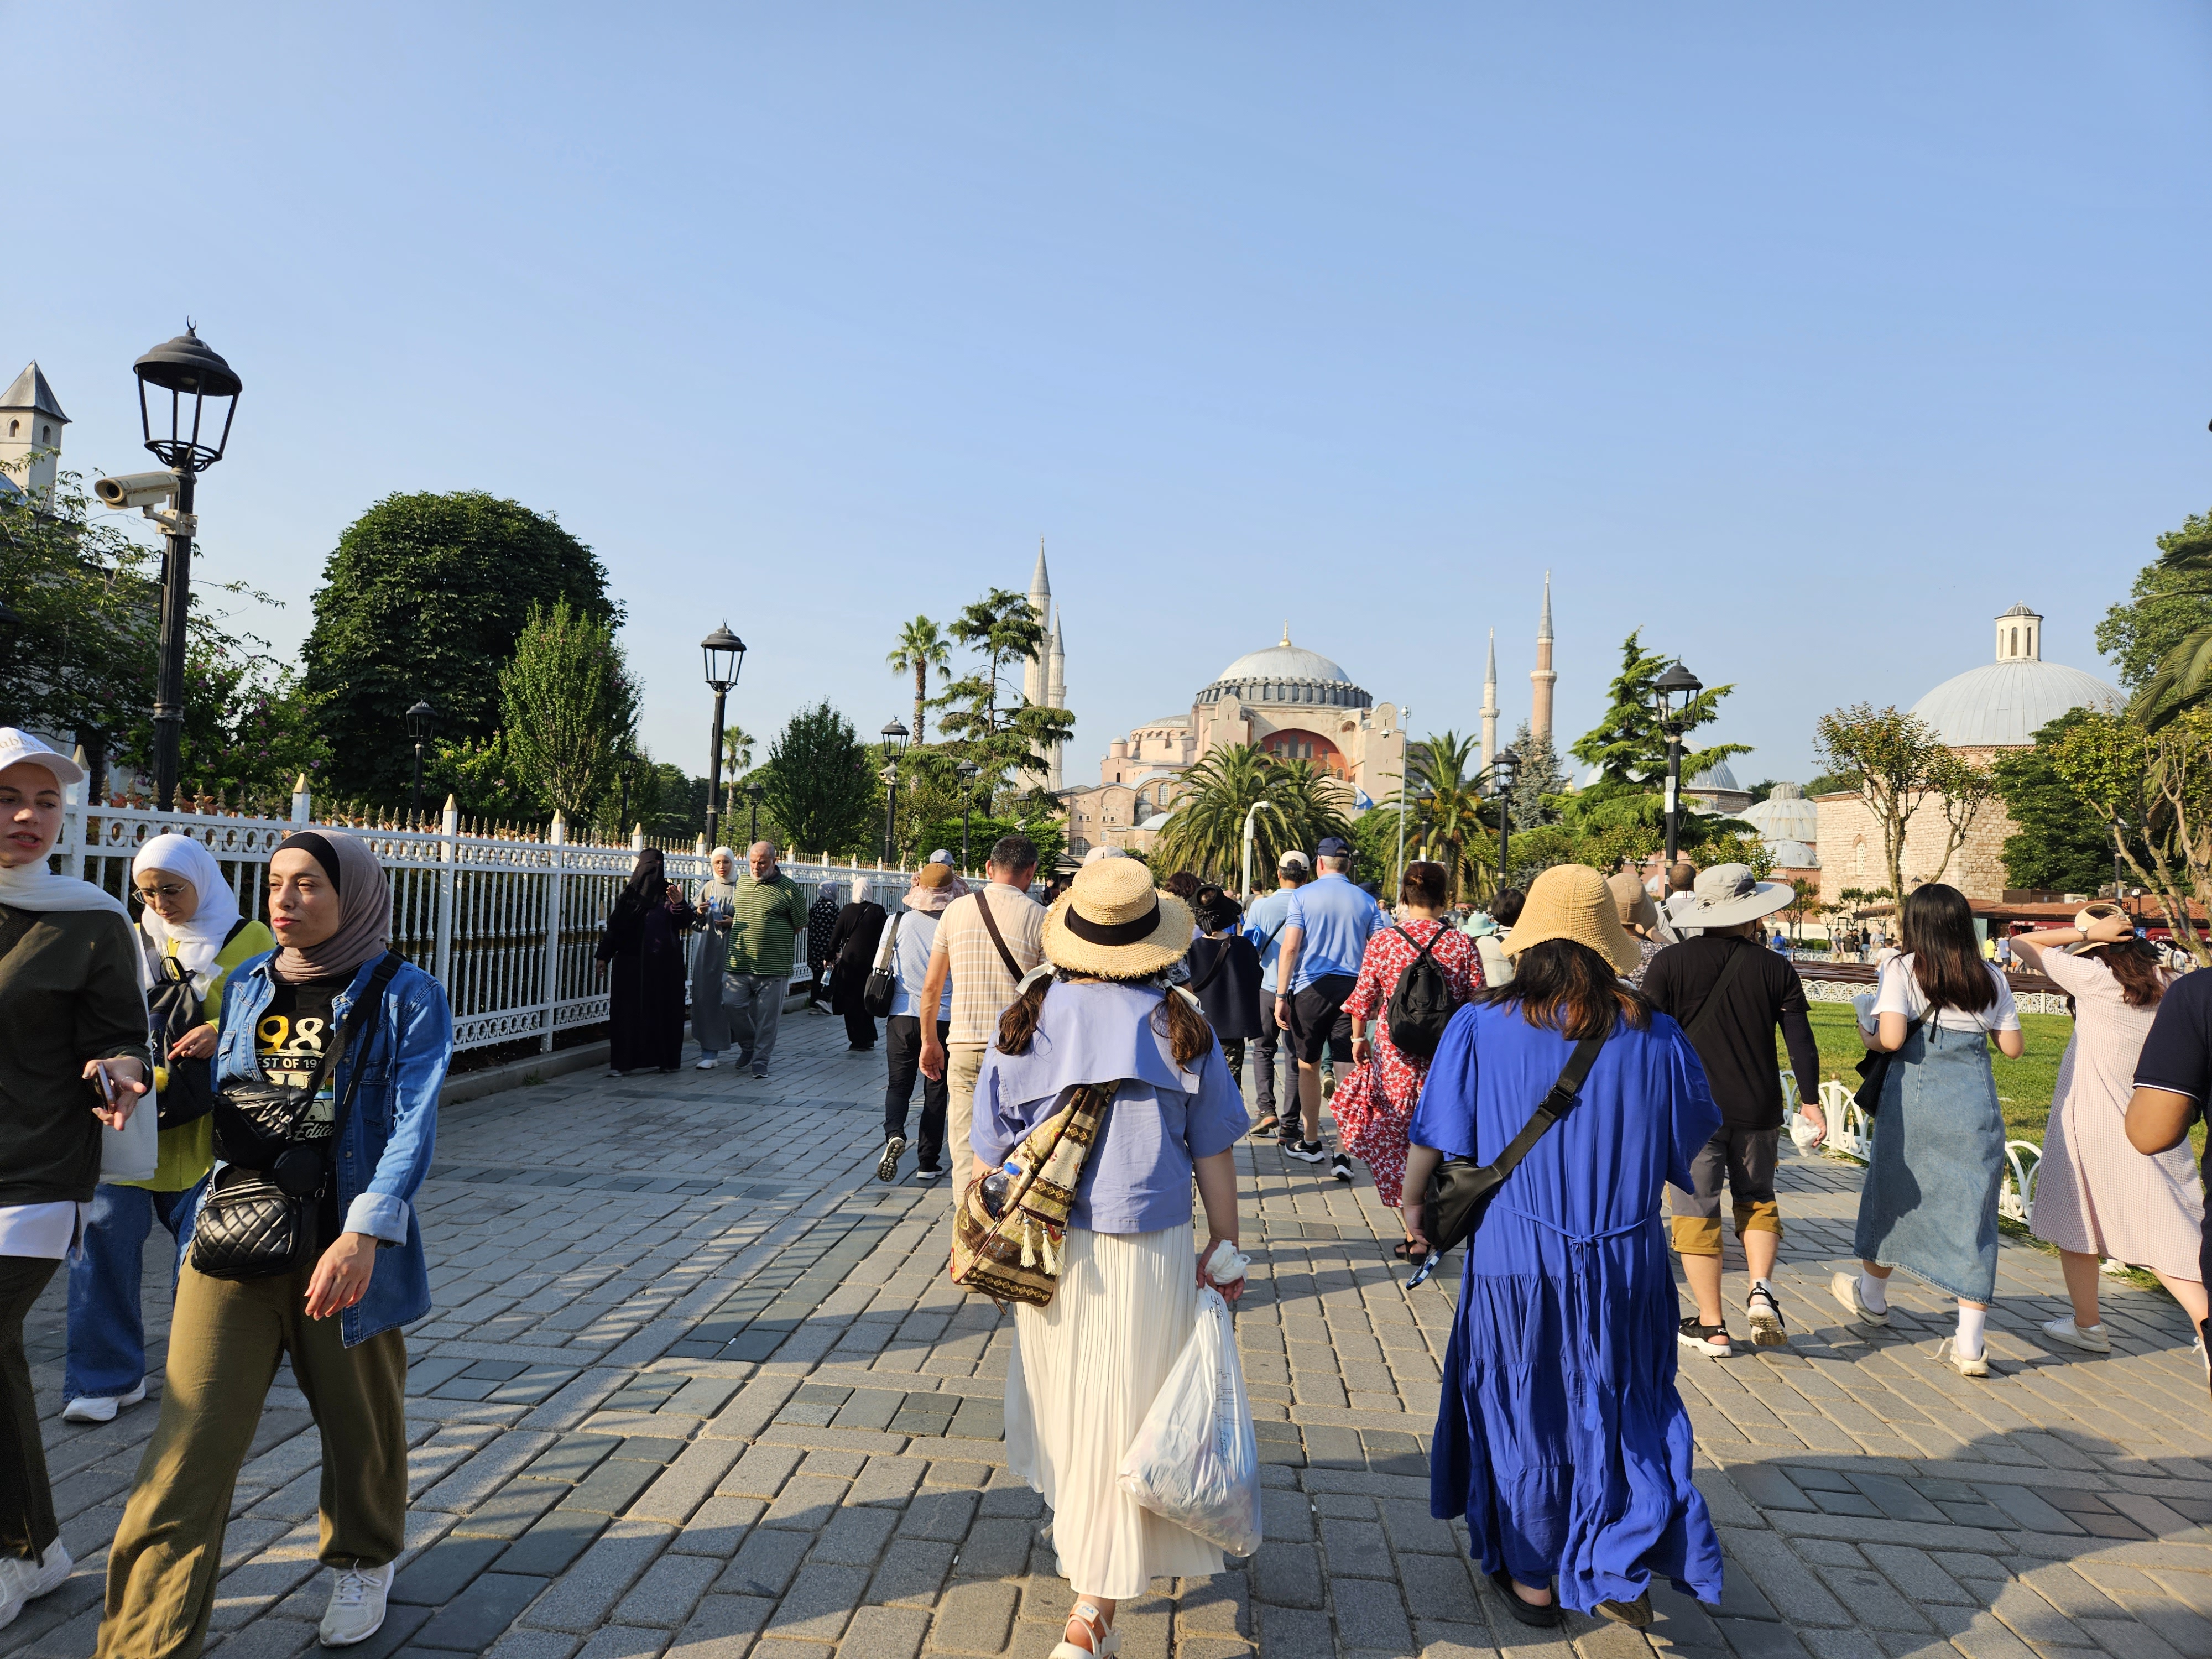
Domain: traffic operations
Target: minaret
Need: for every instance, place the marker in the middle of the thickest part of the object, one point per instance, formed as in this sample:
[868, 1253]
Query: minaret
[1034, 674]
[1055, 692]
[1490, 705]
[31, 423]
[1541, 677]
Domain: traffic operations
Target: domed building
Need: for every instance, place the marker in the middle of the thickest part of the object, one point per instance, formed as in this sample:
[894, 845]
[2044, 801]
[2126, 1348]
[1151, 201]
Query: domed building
[1292, 702]
[1980, 715]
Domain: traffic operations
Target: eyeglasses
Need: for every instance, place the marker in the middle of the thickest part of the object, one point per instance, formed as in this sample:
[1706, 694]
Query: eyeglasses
[168, 892]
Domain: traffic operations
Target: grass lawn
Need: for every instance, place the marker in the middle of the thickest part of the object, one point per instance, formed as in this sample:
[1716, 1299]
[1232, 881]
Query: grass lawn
[2024, 1086]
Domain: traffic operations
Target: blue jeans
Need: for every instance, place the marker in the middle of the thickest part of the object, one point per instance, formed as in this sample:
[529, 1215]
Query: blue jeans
[107, 1338]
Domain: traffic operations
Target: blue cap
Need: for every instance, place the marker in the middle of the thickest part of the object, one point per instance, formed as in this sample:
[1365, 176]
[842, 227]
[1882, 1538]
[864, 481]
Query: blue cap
[1333, 847]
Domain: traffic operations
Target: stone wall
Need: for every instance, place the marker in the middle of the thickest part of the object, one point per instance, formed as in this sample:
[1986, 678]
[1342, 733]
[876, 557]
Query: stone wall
[1850, 848]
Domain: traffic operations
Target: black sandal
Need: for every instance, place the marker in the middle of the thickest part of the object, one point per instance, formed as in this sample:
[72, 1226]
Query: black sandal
[1411, 1255]
[1545, 1617]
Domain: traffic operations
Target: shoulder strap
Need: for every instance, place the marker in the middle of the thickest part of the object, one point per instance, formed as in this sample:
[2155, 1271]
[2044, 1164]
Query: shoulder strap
[890, 942]
[371, 1009]
[1698, 1022]
[1555, 1106]
[236, 929]
[991, 926]
[1420, 949]
[1213, 968]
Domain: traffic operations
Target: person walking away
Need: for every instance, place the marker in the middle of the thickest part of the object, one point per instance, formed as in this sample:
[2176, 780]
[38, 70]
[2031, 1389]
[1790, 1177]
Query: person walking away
[2005, 954]
[935, 887]
[1263, 925]
[852, 953]
[767, 918]
[710, 1015]
[337, 1026]
[1682, 897]
[2095, 1195]
[1374, 1106]
[985, 944]
[70, 1010]
[1224, 977]
[192, 933]
[1086, 1367]
[1324, 941]
[1729, 996]
[2173, 1084]
[1929, 1203]
[641, 955]
[1639, 915]
[1561, 1438]
[1482, 927]
[821, 924]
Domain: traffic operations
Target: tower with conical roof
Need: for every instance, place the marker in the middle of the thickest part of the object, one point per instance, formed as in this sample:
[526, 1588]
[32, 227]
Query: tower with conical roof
[1541, 679]
[31, 423]
[1490, 705]
[1055, 692]
[1034, 670]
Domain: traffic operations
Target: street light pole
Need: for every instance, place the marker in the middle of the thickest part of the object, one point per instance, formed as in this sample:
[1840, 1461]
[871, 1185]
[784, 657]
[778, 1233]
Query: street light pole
[895, 737]
[1677, 681]
[421, 721]
[724, 655]
[1502, 768]
[969, 773]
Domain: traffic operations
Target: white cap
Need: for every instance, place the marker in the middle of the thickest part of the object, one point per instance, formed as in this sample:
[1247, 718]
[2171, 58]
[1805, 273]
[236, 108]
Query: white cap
[17, 745]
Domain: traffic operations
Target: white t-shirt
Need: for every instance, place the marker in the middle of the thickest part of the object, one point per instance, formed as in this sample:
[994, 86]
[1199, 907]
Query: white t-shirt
[1899, 993]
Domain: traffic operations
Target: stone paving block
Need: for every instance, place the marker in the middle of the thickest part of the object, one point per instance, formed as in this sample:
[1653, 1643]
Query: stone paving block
[765, 1563]
[440, 1572]
[722, 1627]
[525, 1645]
[1411, 1527]
[1294, 1631]
[1357, 1549]
[1287, 1575]
[855, 1536]
[887, 1632]
[664, 1597]
[886, 1480]
[1793, 1590]
[554, 1541]
[911, 1569]
[762, 1471]
[976, 1618]
[473, 1620]
[1873, 1601]
[583, 1594]
[943, 1515]
[694, 1477]
[820, 1603]
[624, 1642]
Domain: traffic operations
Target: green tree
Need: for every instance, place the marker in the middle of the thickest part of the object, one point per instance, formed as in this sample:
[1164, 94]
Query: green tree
[2152, 791]
[425, 596]
[1297, 805]
[1902, 767]
[822, 791]
[2058, 846]
[920, 649]
[1447, 823]
[567, 709]
[2169, 605]
[986, 719]
[1627, 744]
[737, 752]
[1535, 780]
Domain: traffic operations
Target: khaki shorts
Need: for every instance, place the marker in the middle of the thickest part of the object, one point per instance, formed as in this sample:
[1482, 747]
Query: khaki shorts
[963, 1062]
[1745, 1158]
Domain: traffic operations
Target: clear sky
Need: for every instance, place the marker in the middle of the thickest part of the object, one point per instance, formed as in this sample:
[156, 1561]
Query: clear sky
[1805, 339]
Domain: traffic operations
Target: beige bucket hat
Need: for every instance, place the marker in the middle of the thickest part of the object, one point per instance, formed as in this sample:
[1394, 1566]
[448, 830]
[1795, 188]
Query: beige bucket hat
[1571, 901]
[1113, 922]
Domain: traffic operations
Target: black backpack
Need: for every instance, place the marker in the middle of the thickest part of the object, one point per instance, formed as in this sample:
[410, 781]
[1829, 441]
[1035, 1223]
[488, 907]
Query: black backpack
[174, 1008]
[1423, 1005]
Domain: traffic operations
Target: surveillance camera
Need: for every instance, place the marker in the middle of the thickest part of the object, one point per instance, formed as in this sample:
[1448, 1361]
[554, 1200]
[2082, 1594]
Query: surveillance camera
[137, 489]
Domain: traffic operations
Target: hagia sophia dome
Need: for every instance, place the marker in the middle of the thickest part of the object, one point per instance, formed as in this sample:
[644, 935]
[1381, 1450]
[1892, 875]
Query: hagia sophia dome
[2003, 704]
[1287, 673]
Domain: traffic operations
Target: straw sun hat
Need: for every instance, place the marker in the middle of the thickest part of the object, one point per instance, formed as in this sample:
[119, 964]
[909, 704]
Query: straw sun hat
[1571, 901]
[1113, 922]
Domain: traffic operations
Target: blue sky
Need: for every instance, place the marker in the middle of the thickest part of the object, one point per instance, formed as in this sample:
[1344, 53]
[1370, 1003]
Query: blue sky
[1805, 341]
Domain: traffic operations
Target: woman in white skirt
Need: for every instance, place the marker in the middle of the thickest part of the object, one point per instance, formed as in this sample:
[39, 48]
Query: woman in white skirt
[1087, 1366]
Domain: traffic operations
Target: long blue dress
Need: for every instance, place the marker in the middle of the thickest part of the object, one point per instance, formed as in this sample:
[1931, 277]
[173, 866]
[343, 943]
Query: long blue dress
[1561, 1435]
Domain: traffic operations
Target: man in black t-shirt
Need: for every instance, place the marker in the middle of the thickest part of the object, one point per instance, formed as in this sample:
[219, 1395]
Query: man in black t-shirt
[1730, 993]
[2173, 1078]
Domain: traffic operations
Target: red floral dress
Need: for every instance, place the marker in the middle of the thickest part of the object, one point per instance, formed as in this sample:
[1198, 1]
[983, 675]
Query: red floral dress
[1375, 1104]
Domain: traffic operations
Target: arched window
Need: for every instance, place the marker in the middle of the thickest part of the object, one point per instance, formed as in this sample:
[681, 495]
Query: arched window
[45, 435]
[15, 428]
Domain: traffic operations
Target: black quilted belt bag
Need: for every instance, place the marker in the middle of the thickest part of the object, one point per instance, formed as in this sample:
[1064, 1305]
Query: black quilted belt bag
[253, 1223]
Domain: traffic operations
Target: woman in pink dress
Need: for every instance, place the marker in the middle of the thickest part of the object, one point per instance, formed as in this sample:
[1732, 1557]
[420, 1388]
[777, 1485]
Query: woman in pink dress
[1375, 1104]
[2095, 1195]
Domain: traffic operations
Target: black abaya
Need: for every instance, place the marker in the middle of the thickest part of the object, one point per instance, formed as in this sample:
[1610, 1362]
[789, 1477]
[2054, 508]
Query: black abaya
[643, 949]
[852, 952]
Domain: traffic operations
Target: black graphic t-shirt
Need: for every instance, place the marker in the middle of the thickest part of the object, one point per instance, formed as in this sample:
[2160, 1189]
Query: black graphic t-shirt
[290, 1041]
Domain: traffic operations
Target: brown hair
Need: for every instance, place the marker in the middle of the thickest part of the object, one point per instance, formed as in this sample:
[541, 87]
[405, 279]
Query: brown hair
[1569, 989]
[1938, 930]
[1178, 1019]
[1183, 884]
[2135, 963]
[1423, 884]
[1506, 909]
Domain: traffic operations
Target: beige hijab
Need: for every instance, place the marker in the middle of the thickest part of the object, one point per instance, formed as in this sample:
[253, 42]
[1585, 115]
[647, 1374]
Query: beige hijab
[364, 906]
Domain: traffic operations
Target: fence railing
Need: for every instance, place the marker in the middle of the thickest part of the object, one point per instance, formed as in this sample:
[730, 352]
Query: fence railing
[1850, 1131]
[509, 924]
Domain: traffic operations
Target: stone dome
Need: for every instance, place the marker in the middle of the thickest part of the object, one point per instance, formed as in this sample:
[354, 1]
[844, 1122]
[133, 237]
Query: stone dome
[1287, 673]
[1784, 815]
[2004, 704]
[1719, 779]
[1791, 855]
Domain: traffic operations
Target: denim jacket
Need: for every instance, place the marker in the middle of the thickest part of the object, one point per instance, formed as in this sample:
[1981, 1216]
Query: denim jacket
[384, 1152]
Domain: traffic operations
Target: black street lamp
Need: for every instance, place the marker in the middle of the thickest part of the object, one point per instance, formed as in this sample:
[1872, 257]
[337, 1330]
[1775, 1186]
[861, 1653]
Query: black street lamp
[1672, 694]
[422, 725]
[969, 773]
[895, 737]
[191, 373]
[1501, 772]
[725, 653]
[756, 793]
[11, 627]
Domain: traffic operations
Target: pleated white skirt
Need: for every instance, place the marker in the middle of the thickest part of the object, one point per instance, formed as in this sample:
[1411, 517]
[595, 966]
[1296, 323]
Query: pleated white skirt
[1084, 1371]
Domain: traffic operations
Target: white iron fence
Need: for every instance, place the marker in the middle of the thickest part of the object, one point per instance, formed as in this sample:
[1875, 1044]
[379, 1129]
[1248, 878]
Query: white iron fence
[508, 924]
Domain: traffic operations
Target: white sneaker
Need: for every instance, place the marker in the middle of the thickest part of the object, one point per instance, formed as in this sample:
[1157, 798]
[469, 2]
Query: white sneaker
[101, 1407]
[706, 1064]
[357, 1609]
[24, 1581]
[1947, 1352]
[2090, 1337]
[926, 1177]
[1845, 1289]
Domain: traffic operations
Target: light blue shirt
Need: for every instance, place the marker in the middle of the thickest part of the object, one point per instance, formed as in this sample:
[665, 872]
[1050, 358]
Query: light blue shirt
[917, 930]
[1267, 917]
[1337, 918]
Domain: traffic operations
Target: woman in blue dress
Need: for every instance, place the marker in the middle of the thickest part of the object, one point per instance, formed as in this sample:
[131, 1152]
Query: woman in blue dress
[1560, 1437]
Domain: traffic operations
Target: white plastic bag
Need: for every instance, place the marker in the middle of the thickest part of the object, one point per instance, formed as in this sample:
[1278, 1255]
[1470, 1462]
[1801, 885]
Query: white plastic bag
[1195, 1460]
[133, 1153]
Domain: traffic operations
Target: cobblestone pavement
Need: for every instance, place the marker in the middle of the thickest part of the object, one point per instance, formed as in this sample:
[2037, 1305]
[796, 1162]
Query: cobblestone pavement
[698, 1385]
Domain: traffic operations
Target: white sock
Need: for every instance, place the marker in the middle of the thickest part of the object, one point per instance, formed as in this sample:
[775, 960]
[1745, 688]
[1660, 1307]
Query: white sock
[1970, 1323]
[1874, 1292]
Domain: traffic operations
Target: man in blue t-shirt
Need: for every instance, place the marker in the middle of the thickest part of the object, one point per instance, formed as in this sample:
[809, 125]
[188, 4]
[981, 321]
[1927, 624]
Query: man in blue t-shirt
[1263, 925]
[1324, 939]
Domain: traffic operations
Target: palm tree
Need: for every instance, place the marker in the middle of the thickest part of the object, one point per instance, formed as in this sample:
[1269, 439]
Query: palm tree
[1447, 806]
[2184, 676]
[921, 647]
[736, 751]
[1297, 802]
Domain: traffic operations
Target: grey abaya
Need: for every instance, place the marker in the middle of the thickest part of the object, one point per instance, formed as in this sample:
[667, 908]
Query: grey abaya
[710, 1013]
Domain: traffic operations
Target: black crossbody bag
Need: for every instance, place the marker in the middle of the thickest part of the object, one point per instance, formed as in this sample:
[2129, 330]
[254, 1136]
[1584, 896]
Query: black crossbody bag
[253, 1222]
[1459, 1189]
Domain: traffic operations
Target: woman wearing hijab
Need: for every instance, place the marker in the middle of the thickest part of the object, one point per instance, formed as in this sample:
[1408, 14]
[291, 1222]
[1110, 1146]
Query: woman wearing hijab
[71, 1008]
[330, 1045]
[1087, 1366]
[191, 921]
[852, 953]
[642, 954]
[710, 1019]
[1561, 1435]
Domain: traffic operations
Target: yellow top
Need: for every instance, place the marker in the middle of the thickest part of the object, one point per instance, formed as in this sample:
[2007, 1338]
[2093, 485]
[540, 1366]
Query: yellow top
[187, 1151]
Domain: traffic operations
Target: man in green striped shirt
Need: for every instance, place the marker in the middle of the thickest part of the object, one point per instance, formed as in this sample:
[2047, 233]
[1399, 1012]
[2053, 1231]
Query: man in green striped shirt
[767, 916]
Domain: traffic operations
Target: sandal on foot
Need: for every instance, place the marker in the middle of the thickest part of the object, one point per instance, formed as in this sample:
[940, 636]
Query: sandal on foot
[1545, 1616]
[1711, 1340]
[1636, 1614]
[1103, 1640]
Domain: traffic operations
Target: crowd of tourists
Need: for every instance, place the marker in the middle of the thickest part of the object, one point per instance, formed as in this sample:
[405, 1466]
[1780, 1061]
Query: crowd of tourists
[1580, 1055]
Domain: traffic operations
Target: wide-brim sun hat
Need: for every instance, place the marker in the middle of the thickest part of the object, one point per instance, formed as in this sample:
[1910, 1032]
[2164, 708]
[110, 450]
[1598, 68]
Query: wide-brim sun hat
[1572, 901]
[1114, 923]
[1729, 894]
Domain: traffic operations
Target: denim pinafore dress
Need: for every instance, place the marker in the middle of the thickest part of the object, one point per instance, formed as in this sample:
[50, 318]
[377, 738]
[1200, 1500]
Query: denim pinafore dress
[1929, 1201]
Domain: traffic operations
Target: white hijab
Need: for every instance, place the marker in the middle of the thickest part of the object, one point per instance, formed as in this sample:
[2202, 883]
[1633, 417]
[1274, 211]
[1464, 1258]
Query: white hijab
[201, 936]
